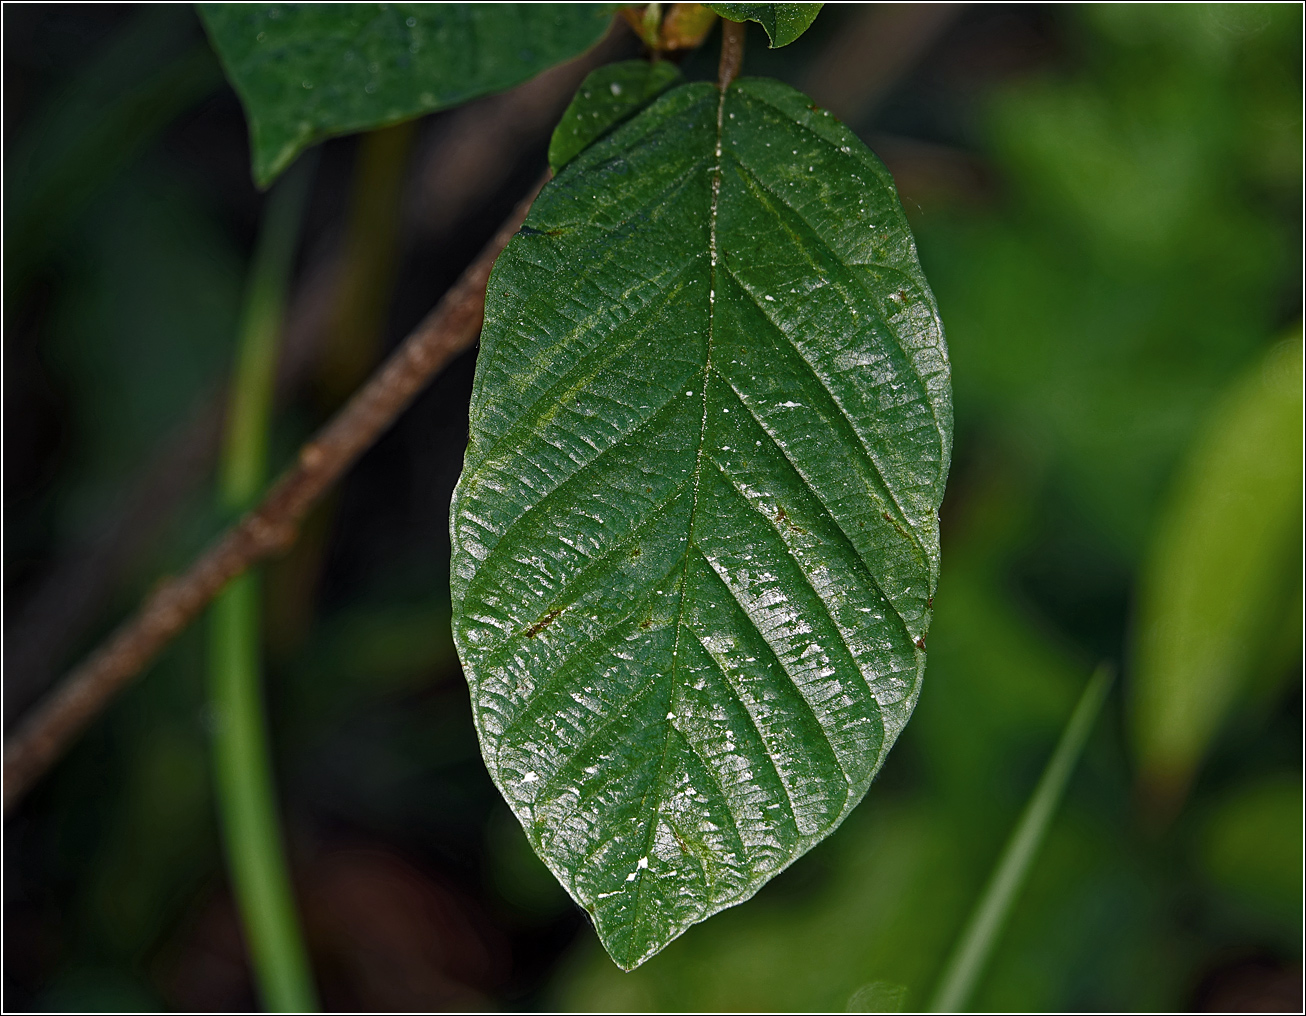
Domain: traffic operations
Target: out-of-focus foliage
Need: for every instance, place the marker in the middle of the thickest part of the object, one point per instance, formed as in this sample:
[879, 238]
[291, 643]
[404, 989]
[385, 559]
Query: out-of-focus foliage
[1250, 846]
[94, 126]
[149, 264]
[1137, 266]
[1224, 573]
[307, 71]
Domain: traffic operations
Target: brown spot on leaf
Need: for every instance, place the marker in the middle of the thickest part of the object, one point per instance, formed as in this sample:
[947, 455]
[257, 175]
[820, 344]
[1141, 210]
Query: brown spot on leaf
[894, 522]
[920, 644]
[782, 518]
[543, 623]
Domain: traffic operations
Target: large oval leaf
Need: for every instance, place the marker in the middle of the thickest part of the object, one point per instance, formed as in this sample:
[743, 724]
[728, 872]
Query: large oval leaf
[695, 540]
[308, 71]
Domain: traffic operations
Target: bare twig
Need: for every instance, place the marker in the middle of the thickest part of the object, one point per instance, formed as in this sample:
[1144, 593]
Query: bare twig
[732, 53]
[448, 330]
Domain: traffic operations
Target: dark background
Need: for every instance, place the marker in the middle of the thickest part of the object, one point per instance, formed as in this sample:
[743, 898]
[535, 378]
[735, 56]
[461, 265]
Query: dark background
[1108, 204]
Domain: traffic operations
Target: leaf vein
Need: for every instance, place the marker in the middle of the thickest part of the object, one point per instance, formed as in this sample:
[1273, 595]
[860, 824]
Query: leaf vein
[760, 634]
[779, 446]
[725, 676]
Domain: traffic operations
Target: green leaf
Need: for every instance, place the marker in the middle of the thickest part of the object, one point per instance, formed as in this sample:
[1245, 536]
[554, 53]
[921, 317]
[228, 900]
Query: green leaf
[695, 541]
[1220, 570]
[783, 22]
[607, 97]
[308, 71]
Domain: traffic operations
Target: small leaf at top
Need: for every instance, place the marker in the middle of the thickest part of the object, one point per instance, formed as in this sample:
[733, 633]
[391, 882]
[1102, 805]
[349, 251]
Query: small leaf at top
[308, 71]
[783, 22]
[695, 541]
[607, 97]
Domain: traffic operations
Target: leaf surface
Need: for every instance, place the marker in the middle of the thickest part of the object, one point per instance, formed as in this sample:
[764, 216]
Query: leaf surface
[607, 96]
[308, 71]
[695, 540]
[783, 22]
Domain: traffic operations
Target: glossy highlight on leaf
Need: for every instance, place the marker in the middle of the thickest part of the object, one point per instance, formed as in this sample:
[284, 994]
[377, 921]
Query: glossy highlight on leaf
[783, 22]
[607, 97]
[308, 71]
[695, 542]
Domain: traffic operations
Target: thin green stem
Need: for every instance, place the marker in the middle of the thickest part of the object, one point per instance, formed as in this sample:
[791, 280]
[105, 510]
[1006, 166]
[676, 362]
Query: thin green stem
[246, 799]
[985, 925]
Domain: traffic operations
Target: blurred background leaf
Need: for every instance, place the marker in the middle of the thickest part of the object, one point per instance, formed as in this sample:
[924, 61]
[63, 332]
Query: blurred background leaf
[1223, 576]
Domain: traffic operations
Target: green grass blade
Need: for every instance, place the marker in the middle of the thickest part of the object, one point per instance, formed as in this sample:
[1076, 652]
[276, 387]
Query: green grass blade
[246, 799]
[976, 944]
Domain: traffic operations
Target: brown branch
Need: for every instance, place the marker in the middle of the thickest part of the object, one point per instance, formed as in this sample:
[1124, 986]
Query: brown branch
[732, 53]
[448, 330]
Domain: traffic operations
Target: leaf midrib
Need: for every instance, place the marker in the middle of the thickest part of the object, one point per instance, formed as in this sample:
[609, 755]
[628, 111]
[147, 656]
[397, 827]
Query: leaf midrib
[659, 781]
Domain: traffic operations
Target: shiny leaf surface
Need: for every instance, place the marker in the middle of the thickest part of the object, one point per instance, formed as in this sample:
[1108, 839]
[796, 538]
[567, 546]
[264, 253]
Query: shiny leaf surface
[695, 541]
[308, 71]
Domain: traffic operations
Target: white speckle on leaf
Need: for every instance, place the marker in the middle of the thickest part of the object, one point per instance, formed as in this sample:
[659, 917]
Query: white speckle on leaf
[530, 777]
